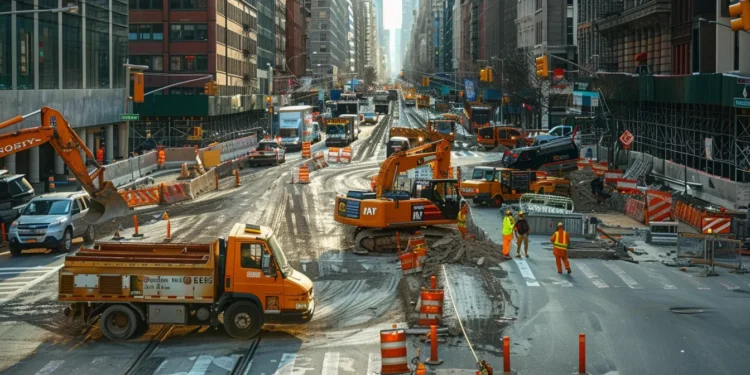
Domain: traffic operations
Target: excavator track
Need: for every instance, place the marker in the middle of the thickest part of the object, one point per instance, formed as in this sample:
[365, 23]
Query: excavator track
[370, 240]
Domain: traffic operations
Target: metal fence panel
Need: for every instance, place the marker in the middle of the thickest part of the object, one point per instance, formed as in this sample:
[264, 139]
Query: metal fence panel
[575, 224]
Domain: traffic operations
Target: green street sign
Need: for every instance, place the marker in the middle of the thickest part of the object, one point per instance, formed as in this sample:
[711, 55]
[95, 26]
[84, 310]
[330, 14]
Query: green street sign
[129, 116]
[741, 103]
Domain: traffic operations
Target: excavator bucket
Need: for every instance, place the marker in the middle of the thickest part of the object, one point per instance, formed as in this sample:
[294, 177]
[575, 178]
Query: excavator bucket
[106, 204]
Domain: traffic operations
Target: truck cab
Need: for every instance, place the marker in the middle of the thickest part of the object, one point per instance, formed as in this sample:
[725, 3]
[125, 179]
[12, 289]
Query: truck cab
[495, 186]
[356, 130]
[493, 136]
[396, 144]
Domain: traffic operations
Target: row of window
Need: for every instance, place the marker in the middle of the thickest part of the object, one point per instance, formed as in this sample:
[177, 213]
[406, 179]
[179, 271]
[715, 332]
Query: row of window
[236, 67]
[177, 32]
[186, 63]
[173, 4]
[235, 40]
[238, 15]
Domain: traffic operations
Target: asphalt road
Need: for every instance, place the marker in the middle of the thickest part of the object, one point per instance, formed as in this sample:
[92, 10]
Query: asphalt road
[625, 311]
[356, 296]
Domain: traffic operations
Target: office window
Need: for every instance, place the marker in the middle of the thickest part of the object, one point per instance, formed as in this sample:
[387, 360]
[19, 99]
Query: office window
[49, 77]
[145, 4]
[97, 53]
[188, 32]
[323, 37]
[569, 30]
[119, 54]
[146, 32]
[188, 63]
[323, 15]
[538, 4]
[5, 50]
[24, 49]
[188, 4]
[155, 62]
[323, 49]
[73, 56]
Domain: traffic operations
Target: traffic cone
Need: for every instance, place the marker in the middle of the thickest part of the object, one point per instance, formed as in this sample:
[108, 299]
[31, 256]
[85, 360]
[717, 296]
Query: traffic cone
[51, 184]
[169, 227]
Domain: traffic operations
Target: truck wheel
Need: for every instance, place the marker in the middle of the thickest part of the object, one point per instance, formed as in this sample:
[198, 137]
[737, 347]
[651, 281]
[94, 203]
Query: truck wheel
[88, 237]
[497, 201]
[243, 320]
[119, 322]
[66, 243]
[15, 250]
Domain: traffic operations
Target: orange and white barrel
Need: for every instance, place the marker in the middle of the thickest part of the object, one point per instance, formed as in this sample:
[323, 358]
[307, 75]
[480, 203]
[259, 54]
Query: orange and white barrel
[304, 175]
[431, 307]
[333, 154]
[408, 259]
[346, 155]
[393, 355]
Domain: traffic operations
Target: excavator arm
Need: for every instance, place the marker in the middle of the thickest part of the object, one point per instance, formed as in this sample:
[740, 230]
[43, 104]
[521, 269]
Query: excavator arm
[106, 202]
[437, 153]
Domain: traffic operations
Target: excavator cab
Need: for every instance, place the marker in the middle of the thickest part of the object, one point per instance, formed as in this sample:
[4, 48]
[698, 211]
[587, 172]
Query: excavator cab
[443, 193]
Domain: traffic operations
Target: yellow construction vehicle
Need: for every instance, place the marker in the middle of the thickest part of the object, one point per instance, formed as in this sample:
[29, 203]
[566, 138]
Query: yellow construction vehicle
[378, 215]
[442, 128]
[495, 186]
[423, 101]
[106, 202]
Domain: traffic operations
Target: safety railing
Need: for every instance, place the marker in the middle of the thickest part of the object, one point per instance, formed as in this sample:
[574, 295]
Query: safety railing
[544, 203]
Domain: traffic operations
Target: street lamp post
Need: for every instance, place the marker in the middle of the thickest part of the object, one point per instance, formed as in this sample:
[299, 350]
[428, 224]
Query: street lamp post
[270, 94]
[68, 9]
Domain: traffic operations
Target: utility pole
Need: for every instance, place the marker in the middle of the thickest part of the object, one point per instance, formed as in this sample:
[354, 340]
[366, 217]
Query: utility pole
[270, 94]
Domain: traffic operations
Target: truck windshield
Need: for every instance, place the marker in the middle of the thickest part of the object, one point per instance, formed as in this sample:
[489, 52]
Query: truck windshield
[444, 127]
[47, 207]
[281, 261]
[336, 129]
[288, 133]
[483, 174]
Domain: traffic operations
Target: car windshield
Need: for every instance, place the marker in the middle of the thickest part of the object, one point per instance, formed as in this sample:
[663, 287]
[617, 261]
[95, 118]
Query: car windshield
[47, 207]
[281, 261]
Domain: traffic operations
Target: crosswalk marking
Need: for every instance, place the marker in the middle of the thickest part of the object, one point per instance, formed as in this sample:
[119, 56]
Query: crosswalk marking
[331, 364]
[201, 365]
[50, 367]
[728, 285]
[526, 272]
[373, 364]
[692, 280]
[591, 276]
[561, 282]
[632, 284]
[286, 365]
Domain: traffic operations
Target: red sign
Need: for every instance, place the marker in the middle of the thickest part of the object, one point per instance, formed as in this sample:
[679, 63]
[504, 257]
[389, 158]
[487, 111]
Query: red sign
[558, 73]
[626, 139]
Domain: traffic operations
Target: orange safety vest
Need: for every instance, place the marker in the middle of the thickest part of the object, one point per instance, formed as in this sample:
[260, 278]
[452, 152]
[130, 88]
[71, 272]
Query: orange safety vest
[560, 243]
[162, 156]
[100, 155]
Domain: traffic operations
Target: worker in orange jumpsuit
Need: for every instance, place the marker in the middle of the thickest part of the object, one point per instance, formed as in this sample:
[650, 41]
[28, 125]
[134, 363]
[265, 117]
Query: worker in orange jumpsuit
[161, 158]
[461, 223]
[100, 155]
[508, 224]
[560, 241]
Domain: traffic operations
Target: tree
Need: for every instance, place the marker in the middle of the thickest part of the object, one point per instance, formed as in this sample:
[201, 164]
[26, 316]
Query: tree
[370, 77]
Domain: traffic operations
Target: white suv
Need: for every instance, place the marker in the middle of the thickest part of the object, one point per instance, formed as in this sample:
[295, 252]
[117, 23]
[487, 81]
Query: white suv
[51, 221]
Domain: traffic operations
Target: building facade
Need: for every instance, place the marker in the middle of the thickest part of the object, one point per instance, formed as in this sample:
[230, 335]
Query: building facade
[72, 62]
[329, 42]
[280, 35]
[494, 19]
[296, 39]
[447, 36]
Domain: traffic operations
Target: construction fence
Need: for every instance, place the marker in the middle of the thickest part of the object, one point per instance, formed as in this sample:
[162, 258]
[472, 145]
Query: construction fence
[711, 250]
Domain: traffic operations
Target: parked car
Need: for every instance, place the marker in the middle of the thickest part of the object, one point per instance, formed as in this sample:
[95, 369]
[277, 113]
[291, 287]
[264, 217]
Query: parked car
[554, 133]
[370, 118]
[15, 193]
[52, 222]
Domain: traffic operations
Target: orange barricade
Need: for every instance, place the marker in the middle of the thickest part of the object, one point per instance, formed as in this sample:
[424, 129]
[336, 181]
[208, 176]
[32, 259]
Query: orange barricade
[306, 150]
[431, 307]
[635, 209]
[319, 160]
[583, 164]
[333, 154]
[717, 224]
[346, 155]
[304, 175]
[393, 358]
[658, 206]
[142, 197]
[173, 193]
[418, 245]
[407, 262]
[626, 186]
[599, 168]
[611, 177]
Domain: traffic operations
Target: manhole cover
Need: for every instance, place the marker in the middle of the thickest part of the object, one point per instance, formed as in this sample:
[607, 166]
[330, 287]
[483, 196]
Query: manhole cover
[686, 310]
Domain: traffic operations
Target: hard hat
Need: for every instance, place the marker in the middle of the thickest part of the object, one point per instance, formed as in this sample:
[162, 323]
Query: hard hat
[520, 213]
[507, 212]
[559, 224]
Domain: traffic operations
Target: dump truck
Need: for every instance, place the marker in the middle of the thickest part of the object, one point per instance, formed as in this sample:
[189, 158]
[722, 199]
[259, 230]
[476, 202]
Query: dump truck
[246, 277]
[268, 152]
[341, 131]
[496, 186]
[410, 100]
[381, 101]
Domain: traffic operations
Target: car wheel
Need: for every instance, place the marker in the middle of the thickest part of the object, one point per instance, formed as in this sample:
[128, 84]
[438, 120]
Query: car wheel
[243, 320]
[15, 250]
[66, 243]
[119, 322]
[88, 237]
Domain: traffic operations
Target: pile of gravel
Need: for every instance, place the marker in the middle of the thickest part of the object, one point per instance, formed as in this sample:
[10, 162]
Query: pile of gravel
[453, 249]
[580, 192]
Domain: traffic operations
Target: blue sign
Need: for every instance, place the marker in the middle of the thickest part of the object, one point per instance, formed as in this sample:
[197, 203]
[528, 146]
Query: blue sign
[471, 94]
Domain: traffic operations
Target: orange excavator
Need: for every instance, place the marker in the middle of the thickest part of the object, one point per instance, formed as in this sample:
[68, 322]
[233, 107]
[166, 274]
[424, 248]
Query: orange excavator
[430, 202]
[106, 202]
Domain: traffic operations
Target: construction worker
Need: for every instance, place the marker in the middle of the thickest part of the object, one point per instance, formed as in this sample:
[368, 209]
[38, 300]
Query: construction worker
[461, 223]
[100, 155]
[560, 242]
[522, 231]
[508, 224]
[161, 159]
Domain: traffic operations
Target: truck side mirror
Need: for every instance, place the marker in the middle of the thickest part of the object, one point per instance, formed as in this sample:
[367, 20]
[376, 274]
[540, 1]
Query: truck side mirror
[265, 264]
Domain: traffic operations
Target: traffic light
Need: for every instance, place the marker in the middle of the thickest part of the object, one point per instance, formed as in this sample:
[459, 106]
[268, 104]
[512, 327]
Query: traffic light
[542, 66]
[425, 81]
[741, 9]
[208, 88]
[269, 104]
[215, 90]
[137, 87]
[485, 75]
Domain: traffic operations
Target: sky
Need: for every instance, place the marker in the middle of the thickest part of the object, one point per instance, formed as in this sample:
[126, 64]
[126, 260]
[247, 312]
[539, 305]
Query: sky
[391, 14]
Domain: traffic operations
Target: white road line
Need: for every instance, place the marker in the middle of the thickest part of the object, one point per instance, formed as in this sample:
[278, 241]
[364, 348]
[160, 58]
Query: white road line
[18, 283]
[19, 278]
[20, 272]
[249, 366]
[50, 367]
[9, 286]
[373, 364]
[201, 365]
[562, 283]
[294, 224]
[291, 204]
[28, 268]
[286, 365]
[100, 360]
[728, 285]
[592, 276]
[666, 284]
[331, 364]
[30, 284]
[526, 272]
[632, 284]
[692, 280]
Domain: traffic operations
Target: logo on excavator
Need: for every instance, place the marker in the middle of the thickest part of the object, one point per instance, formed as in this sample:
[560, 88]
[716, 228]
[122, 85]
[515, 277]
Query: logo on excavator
[417, 213]
[342, 206]
[19, 145]
[370, 211]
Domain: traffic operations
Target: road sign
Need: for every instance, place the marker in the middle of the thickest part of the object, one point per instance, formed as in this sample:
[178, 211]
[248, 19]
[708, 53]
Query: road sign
[626, 139]
[558, 73]
[743, 81]
[741, 103]
[129, 117]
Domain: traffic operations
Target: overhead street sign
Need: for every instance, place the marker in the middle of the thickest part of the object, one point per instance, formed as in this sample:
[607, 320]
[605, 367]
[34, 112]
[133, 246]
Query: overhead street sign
[741, 103]
[129, 116]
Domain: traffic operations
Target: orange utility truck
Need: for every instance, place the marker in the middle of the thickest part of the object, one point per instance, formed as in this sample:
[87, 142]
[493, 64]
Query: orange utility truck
[495, 186]
[130, 285]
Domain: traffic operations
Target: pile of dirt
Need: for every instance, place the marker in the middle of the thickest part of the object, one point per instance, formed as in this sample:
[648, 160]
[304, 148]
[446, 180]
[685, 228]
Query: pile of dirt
[580, 192]
[453, 249]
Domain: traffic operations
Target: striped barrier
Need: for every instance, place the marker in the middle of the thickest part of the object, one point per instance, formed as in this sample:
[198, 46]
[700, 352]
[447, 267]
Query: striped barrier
[393, 357]
[319, 160]
[430, 307]
[611, 177]
[333, 154]
[305, 150]
[346, 155]
[304, 175]
[658, 206]
[582, 164]
[407, 262]
[626, 186]
[717, 225]
[142, 197]
[636, 209]
[599, 168]
[174, 193]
